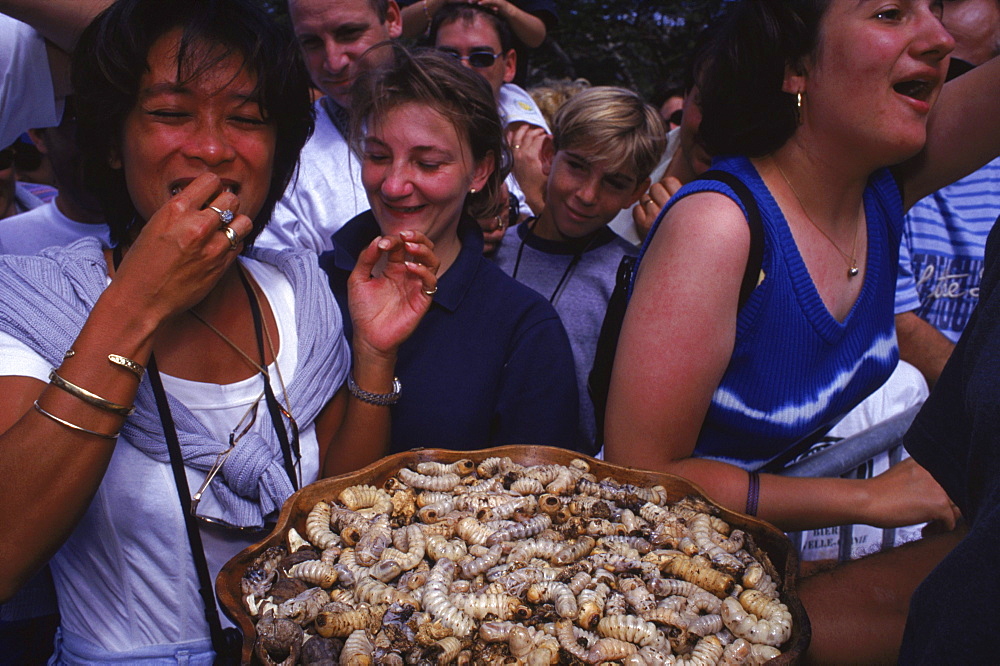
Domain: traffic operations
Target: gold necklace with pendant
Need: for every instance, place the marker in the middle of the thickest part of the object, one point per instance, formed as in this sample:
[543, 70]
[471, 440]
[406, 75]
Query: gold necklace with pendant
[849, 259]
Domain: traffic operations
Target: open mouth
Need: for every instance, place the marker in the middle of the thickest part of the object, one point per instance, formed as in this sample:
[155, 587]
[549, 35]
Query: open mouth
[918, 89]
[178, 186]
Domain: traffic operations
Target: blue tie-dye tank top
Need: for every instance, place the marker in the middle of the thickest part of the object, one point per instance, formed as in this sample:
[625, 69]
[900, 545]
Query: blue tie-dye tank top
[795, 369]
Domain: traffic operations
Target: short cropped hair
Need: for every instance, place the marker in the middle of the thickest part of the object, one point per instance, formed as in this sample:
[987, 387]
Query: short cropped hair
[454, 12]
[615, 124]
[112, 57]
[381, 9]
[744, 110]
[424, 76]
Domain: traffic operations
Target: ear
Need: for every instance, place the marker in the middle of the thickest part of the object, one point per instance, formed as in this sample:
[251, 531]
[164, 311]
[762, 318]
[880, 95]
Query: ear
[510, 68]
[37, 137]
[115, 158]
[481, 173]
[393, 20]
[640, 189]
[547, 154]
[795, 79]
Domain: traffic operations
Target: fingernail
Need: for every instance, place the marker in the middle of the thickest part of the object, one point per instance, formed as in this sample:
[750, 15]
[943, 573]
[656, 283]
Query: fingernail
[406, 234]
[384, 244]
[412, 246]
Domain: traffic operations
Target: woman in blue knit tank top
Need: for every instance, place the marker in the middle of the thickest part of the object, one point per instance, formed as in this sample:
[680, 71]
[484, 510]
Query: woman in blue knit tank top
[808, 103]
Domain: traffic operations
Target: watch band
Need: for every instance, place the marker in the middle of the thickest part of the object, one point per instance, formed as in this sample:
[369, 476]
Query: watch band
[379, 399]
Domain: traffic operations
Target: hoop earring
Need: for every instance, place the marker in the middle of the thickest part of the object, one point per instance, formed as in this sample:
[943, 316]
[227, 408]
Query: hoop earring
[798, 108]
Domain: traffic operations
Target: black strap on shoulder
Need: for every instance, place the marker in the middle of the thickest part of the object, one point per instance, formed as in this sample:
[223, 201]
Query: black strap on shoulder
[599, 379]
[272, 402]
[205, 587]
[755, 258]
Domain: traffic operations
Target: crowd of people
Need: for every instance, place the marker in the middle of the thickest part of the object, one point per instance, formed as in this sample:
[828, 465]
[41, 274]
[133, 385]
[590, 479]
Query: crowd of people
[274, 255]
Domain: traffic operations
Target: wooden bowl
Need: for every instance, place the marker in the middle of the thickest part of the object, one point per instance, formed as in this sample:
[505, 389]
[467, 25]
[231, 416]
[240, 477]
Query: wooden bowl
[293, 514]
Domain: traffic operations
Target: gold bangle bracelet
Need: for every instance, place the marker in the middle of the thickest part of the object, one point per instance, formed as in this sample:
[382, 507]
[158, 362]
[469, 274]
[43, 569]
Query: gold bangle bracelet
[73, 426]
[128, 364]
[88, 397]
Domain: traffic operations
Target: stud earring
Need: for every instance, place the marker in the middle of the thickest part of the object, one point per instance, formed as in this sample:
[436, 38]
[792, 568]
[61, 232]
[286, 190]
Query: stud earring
[472, 191]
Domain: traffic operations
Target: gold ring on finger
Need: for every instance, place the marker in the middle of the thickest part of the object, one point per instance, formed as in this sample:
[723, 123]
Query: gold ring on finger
[231, 236]
[431, 292]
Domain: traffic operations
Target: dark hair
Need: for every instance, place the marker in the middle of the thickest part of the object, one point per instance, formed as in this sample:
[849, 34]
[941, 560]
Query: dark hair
[453, 12]
[665, 92]
[27, 157]
[112, 57]
[744, 111]
[381, 9]
[426, 77]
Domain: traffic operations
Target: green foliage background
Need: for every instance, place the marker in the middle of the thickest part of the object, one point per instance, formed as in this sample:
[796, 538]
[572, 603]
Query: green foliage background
[637, 44]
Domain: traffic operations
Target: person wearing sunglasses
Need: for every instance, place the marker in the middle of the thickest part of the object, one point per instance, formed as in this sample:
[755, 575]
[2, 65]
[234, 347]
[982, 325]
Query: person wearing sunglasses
[672, 107]
[483, 42]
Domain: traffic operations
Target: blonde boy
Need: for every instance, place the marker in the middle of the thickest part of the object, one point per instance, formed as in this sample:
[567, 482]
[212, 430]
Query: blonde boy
[605, 143]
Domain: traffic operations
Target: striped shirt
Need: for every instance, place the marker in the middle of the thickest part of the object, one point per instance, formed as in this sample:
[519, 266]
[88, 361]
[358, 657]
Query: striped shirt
[941, 254]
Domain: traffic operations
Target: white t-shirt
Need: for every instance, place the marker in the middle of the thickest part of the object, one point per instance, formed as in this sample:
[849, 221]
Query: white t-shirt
[324, 196]
[125, 577]
[42, 227]
[27, 99]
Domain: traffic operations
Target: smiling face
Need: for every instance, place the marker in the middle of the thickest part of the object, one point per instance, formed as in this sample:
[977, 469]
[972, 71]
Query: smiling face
[417, 171]
[179, 130]
[462, 38]
[874, 77]
[335, 36]
[582, 195]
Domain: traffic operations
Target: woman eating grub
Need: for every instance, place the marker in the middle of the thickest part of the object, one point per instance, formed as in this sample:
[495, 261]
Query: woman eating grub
[164, 398]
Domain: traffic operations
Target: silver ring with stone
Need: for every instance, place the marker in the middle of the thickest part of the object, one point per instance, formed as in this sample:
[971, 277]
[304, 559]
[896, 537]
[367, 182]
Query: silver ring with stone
[225, 216]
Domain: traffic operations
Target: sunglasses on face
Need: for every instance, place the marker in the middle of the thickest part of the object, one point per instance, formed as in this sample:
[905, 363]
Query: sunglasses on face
[6, 158]
[477, 59]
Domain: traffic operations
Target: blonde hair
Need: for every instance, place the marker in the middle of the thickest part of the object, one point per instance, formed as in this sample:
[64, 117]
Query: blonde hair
[615, 124]
[551, 94]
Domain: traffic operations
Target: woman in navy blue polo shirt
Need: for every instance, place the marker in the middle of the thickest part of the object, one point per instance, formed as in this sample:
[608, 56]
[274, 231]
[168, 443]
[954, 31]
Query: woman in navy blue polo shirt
[490, 363]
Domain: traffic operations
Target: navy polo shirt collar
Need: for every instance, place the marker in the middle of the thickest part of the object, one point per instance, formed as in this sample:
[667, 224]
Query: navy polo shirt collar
[355, 236]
